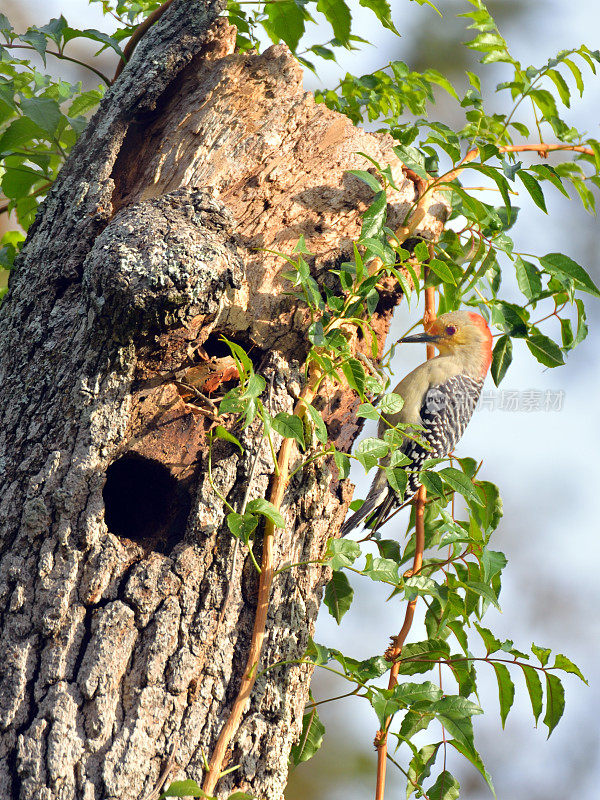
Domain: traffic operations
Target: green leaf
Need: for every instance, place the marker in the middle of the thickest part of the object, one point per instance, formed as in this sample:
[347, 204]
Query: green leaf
[413, 159]
[446, 787]
[397, 479]
[355, 375]
[337, 14]
[95, 36]
[372, 446]
[319, 425]
[37, 40]
[374, 217]
[384, 705]
[85, 102]
[534, 687]
[543, 653]
[44, 111]
[549, 174]
[342, 463]
[555, 702]
[289, 426]
[501, 358]
[566, 665]
[420, 766]
[365, 176]
[582, 329]
[482, 589]
[534, 189]
[17, 181]
[242, 526]
[310, 740]
[409, 693]
[442, 270]
[420, 584]
[422, 656]
[492, 562]
[381, 569]
[382, 11]
[255, 386]
[316, 334]
[367, 411]
[342, 552]
[391, 403]
[317, 653]
[545, 350]
[188, 788]
[566, 334]
[285, 21]
[564, 267]
[458, 481]
[576, 72]
[370, 668]
[338, 595]
[267, 509]
[222, 433]
[432, 482]
[528, 278]
[473, 756]
[455, 712]
[19, 132]
[561, 86]
[506, 689]
[240, 354]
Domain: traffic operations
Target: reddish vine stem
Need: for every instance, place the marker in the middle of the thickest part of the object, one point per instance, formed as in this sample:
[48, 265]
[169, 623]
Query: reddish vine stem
[267, 573]
[394, 652]
[538, 147]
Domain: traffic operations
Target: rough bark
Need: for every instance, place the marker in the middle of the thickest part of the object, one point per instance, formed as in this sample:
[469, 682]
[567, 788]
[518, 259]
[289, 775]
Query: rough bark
[115, 561]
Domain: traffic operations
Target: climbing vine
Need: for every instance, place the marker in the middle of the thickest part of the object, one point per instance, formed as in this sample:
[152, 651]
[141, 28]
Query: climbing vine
[446, 560]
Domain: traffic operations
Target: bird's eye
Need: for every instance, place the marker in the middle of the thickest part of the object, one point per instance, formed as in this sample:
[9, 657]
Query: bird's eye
[450, 330]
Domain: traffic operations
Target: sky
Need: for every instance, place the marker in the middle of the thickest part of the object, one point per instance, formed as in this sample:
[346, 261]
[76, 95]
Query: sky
[544, 461]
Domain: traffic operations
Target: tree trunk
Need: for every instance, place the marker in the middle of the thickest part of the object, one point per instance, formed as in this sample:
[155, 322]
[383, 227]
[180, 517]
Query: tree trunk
[126, 619]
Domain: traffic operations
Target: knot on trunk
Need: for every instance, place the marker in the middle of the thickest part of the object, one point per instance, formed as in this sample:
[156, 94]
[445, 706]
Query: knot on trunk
[162, 261]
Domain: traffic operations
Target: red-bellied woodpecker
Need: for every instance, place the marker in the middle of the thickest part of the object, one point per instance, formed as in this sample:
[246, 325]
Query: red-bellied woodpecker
[439, 395]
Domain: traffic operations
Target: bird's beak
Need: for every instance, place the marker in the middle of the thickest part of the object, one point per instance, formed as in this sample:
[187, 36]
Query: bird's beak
[428, 338]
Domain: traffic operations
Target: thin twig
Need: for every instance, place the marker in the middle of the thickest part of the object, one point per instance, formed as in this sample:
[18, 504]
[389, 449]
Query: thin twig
[280, 481]
[236, 546]
[61, 56]
[164, 775]
[137, 35]
[5, 206]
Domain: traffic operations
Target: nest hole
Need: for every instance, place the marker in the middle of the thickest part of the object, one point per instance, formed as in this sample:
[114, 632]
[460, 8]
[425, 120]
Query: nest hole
[215, 347]
[143, 502]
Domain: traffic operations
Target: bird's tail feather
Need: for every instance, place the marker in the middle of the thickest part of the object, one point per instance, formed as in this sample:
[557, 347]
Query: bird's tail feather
[379, 495]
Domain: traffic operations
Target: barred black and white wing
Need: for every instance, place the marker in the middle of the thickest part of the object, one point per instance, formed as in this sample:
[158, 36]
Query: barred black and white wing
[445, 413]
